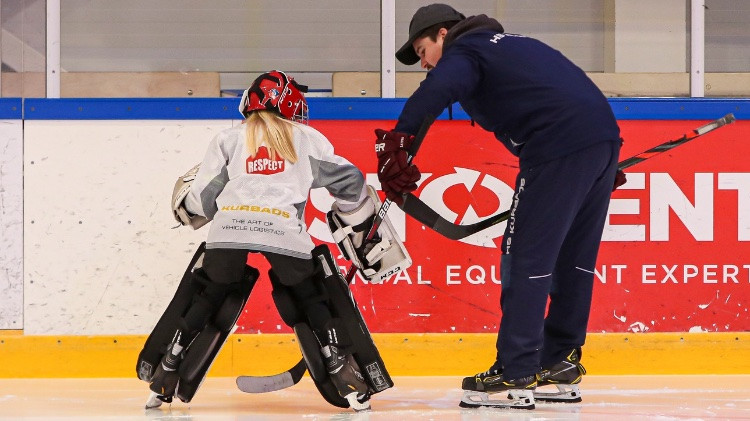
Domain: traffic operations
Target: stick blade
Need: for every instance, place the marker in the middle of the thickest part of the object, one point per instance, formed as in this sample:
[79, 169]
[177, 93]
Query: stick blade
[265, 384]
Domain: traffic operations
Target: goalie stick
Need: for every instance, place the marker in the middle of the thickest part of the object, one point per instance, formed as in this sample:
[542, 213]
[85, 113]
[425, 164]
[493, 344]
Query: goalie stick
[263, 384]
[417, 209]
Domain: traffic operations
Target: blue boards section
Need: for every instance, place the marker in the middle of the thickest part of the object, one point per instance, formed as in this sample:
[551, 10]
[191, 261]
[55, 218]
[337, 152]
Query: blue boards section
[333, 108]
[11, 109]
[679, 108]
[130, 109]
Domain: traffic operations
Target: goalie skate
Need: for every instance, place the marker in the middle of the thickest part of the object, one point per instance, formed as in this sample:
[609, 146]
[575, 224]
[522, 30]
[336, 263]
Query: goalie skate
[517, 399]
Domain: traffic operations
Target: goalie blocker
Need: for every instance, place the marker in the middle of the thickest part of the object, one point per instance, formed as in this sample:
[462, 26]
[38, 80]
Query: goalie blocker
[353, 336]
[377, 259]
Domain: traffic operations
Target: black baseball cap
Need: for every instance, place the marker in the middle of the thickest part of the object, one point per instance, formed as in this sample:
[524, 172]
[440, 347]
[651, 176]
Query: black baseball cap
[423, 18]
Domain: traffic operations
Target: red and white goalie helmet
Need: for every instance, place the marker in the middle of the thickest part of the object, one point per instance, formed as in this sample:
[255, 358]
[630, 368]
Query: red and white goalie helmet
[277, 92]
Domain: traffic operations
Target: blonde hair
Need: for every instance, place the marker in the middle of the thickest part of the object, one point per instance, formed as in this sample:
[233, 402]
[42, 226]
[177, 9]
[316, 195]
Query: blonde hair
[276, 132]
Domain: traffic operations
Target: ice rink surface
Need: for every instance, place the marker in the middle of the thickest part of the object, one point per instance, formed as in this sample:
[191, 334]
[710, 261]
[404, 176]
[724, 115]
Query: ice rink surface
[725, 397]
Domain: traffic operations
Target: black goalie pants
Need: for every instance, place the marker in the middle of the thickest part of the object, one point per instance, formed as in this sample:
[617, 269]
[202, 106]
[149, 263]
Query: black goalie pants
[224, 266]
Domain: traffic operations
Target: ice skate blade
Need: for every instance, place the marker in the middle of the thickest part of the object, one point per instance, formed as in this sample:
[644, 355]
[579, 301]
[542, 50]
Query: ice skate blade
[517, 399]
[355, 404]
[566, 393]
[153, 401]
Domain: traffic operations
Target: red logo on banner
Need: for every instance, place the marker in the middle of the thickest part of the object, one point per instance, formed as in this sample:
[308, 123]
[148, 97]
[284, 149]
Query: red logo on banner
[261, 163]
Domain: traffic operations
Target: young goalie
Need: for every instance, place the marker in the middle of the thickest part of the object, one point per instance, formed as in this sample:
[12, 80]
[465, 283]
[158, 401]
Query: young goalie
[253, 183]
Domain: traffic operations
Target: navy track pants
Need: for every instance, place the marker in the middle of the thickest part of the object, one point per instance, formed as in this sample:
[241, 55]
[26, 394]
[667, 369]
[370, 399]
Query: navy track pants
[549, 249]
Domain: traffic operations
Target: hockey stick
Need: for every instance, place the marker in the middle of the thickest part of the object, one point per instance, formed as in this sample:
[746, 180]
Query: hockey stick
[671, 144]
[417, 209]
[263, 384]
[288, 378]
[426, 123]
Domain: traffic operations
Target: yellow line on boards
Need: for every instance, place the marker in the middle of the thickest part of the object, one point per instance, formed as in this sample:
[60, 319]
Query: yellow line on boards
[405, 354]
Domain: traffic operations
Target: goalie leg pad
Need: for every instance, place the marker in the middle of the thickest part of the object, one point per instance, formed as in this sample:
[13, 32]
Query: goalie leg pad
[205, 346]
[310, 347]
[197, 361]
[203, 350]
[379, 258]
[230, 311]
[344, 307]
[294, 316]
[353, 335]
[164, 331]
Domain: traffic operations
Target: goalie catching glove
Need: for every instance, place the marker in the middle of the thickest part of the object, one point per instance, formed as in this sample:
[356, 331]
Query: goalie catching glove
[382, 256]
[181, 190]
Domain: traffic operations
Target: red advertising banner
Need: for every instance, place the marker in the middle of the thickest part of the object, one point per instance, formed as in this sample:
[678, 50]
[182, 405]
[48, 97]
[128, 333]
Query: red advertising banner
[675, 253]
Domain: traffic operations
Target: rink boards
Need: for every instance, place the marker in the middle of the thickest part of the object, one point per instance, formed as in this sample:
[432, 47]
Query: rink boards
[99, 258]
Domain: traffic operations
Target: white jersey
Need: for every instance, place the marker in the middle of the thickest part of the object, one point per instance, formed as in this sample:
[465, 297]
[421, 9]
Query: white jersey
[258, 203]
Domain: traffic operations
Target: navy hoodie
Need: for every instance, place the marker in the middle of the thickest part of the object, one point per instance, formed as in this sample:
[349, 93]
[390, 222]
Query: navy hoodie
[538, 103]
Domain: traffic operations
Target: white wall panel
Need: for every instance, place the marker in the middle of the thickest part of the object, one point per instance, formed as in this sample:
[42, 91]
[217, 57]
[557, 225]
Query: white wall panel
[650, 36]
[221, 35]
[297, 36]
[727, 35]
[575, 27]
[101, 255]
[11, 224]
[251, 36]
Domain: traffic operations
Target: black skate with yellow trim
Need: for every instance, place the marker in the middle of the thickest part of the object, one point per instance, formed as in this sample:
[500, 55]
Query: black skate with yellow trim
[565, 375]
[479, 388]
